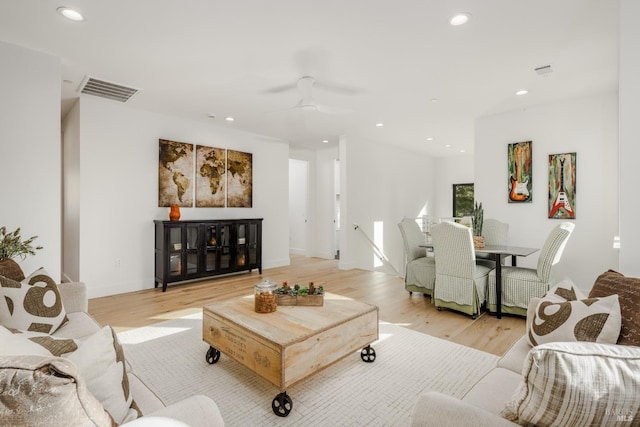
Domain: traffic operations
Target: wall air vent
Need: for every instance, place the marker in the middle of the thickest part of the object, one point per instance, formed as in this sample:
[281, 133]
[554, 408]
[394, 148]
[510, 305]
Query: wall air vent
[103, 89]
[544, 70]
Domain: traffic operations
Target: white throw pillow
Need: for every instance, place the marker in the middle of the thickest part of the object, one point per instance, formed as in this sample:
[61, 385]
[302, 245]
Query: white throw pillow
[33, 304]
[564, 314]
[100, 359]
[578, 384]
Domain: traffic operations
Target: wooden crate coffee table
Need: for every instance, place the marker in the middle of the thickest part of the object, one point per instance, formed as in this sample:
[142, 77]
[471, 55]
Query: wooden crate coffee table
[291, 343]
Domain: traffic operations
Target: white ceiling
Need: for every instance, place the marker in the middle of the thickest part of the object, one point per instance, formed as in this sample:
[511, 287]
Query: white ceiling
[396, 62]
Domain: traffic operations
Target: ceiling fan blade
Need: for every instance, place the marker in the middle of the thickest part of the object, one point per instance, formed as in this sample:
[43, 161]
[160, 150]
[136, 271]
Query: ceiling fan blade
[281, 88]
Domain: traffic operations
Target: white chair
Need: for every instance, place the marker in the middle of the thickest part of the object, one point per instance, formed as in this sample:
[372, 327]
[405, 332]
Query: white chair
[460, 283]
[494, 233]
[420, 272]
[520, 284]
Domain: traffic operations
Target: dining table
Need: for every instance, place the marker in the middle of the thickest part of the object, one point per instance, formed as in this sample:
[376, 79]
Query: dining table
[497, 253]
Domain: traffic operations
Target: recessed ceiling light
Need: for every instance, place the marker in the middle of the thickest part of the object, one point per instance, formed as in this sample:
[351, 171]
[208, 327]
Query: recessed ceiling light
[463, 151]
[522, 92]
[211, 115]
[325, 141]
[229, 119]
[430, 138]
[448, 146]
[379, 124]
[434, 99]
[460, 19]
[69, 13]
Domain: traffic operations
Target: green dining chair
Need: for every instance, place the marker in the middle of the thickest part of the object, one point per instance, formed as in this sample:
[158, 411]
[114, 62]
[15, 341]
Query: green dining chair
[420, 270]
[520, 284]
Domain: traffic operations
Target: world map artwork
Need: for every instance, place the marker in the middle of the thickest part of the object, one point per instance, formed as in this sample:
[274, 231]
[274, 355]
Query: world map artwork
[175, 173]
[210, 176]
[214, 177]
[239, 179]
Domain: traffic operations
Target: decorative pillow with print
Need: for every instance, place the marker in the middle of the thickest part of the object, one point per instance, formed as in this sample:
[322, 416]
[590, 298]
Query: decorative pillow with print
[564, 314]
[14, 342]
[578, 384]
[33, 304]
[628, 291]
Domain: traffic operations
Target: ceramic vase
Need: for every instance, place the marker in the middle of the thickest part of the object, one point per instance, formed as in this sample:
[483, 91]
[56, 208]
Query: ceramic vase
[174, 213]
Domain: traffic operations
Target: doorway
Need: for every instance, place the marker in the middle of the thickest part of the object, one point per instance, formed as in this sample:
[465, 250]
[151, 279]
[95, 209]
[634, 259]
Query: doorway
[298, 202]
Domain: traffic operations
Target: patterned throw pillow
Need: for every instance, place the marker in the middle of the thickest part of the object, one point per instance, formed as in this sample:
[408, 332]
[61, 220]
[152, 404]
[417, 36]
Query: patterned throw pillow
[46, 391]
[33, 304]
[628, 291]
[563, 314]
[578, 384]
[14, 342]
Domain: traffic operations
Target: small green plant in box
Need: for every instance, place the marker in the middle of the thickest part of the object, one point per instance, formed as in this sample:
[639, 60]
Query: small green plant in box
[300, 295]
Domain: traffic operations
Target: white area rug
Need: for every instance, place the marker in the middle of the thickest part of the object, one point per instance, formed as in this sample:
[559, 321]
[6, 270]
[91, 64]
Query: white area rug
[170, 358]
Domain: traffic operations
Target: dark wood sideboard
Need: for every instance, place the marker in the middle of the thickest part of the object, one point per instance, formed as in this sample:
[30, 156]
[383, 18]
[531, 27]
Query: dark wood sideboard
[197, 249]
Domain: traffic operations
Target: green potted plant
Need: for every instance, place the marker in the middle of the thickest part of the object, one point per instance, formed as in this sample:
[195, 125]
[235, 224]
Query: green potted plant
[11, 246]
[477, 220]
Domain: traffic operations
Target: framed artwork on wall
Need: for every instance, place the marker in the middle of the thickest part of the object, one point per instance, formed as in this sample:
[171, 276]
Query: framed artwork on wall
[520, 175]
[562, 186]
[175, 174]
[211, 178]
[239, 179]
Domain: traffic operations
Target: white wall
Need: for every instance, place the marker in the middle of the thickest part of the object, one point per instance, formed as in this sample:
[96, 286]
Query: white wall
[30, 152]
[587, 126]
[380, 183]
[629, 134]
[119, 191]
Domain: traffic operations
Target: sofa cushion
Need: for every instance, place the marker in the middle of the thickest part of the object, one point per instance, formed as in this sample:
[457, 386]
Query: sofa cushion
[46, 391]
[34, 304]
[494, 390]
[577, 383]
[558, 319]
[628, 291]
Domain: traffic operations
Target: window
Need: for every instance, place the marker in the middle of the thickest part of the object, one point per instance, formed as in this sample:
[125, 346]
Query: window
[462, 200]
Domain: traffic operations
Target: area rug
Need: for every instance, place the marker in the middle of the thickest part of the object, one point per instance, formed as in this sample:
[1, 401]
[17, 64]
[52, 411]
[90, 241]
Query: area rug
[170, 358]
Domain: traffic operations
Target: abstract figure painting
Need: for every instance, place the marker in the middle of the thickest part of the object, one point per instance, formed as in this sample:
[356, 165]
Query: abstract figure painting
[175, 174]
[210, 177]
[239, 179]
[562, 186]
[520, 177]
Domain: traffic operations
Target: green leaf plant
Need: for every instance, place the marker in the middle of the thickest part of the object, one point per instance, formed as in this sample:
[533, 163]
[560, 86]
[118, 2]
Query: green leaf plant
[12, 245]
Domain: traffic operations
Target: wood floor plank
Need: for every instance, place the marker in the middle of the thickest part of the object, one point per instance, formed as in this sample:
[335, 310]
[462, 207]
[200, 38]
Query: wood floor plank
[141, 308]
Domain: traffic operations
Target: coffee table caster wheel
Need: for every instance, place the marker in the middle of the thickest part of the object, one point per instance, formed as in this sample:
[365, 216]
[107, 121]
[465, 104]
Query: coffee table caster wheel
[213, 355]
[439, 308]
[282, 404]
[368, 354]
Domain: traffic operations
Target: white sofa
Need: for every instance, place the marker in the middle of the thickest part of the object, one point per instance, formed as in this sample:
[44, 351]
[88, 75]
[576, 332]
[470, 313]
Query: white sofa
[194, 411]
[482, 405]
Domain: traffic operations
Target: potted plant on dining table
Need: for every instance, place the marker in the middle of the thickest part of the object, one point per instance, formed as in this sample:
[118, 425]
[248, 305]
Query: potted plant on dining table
[476, 223]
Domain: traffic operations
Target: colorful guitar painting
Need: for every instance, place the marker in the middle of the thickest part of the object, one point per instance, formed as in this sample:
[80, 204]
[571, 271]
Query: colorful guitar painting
[519, 189]
[561, 205]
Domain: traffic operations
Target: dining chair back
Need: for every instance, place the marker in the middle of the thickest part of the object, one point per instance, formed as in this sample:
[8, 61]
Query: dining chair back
[495, 232]
[460, 283]
[520, 284]
[420, 270]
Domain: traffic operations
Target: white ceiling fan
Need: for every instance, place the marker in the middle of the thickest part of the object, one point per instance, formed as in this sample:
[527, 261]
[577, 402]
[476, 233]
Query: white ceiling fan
[307, 103]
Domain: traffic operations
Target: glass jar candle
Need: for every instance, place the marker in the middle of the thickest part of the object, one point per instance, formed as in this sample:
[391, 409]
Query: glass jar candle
[266, 300]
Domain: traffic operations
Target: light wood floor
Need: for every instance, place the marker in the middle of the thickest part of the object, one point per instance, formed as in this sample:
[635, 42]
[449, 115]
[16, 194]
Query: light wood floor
[140, 308]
